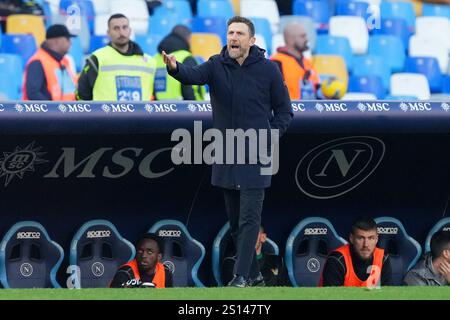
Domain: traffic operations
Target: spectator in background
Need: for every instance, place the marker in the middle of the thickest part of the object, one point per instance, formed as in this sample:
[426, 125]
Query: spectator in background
[120, 71]
[298, 71]
[359, 263]
[434, 268]
[166, 87]
[146, 270]
[48, 75]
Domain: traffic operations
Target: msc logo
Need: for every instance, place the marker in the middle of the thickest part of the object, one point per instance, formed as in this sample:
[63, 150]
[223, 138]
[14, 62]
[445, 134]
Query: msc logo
[445, 106]
[118, 108]
[313, 265]
[298, 107]
[415, 106]
[98, 234]
[26, 269]
[74, 108]
[199, 107]
[387, 230]
[31, 107]
[331, 107]
[161, 107]
[169, 233]
[338, 166]
[373, 106]
[28, 235]
[315, 231]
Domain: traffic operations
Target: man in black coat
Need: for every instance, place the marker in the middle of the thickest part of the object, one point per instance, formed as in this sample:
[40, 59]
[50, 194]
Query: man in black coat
[247, 93]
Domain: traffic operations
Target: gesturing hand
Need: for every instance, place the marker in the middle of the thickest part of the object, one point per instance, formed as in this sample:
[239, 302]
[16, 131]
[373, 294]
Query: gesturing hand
[170, 60]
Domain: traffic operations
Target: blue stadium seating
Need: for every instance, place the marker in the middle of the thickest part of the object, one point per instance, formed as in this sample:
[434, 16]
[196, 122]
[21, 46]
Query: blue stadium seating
[183, 254]
[23, 45]
[395, 27]
[441, 225]
[429, 9]
[149, 43]
[11, 73]
[181, 9]
[352, 8]
[97, 42]
[326, 44]
[162, 26]
[390, 48]
[399, 9]
[215, 25]
[262, 26]
[85, 7]
[224, 251]
[29, 258]
[370, 84]
[99, 250]
[428, 66]
[318, 10]
[446, 84]
[307, 248]
[372, 65]
[214, 8]
[404, 251]
[76, 51]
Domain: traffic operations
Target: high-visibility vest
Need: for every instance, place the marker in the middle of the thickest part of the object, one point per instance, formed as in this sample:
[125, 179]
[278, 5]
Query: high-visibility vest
[123, 78]
[61, 81]
[167, 87]
[351, 279]
[293, 73]
[159, 280]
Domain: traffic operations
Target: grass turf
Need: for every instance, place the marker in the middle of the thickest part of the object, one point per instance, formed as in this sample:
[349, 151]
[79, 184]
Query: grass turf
[267, 293]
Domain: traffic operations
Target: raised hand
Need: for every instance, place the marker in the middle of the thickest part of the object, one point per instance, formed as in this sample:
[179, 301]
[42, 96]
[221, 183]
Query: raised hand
[170, 60]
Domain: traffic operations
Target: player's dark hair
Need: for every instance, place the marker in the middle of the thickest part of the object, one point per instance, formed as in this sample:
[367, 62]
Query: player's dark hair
[248, 22]
[440, 241]
[364, 223]
[117, 16]
[154, 237]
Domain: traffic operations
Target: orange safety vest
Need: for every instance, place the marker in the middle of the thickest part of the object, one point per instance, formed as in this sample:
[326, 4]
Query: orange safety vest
[351, 279]
[51, 67]
[293, 73]
[159, 280]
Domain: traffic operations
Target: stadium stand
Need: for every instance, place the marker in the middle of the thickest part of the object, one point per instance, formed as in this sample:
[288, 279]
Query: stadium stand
[29, 258]
[307, 248]
[98, 249]
[183, 254]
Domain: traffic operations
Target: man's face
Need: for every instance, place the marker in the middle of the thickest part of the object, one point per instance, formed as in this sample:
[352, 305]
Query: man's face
[300, 40]
[63, 45]
[147, 254]
[239, 40]
[119, 31]
[262, 236]
[364, 242]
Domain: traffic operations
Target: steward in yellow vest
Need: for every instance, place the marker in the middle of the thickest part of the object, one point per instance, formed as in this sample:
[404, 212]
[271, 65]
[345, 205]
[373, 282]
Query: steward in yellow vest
[167, 87]
[120, 71]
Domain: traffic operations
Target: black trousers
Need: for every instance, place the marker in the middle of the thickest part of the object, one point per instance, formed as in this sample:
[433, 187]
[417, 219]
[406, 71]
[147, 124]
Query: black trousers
[244, 209]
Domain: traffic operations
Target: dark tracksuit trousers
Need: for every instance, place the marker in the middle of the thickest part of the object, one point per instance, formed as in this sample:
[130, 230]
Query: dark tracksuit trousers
[244, 209]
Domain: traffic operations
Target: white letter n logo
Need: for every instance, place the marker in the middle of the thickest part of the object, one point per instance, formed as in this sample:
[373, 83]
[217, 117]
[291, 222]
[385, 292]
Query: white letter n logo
[341, 160]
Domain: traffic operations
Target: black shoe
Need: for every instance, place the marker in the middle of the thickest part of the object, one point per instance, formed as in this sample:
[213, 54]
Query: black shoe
[238, 281]
[257, 282]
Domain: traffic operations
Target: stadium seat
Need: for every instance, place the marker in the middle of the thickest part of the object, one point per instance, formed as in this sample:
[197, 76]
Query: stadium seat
[352, 8]
[307, 23]
[429, 67]
[26, 24]
[236, 6]
[446, 84]
[205, 45]
[161, 25]
[149, 43]
[441, 225]
[336, 46]
[262, 27]
[99, 250]
[181, 10]
[367, 84]
[410, 84]
[29, 258]
[11, 71]
[76, 51]
[318, 10]
[394, 27]
[136, 12]
[429, 47]
[331, 65]
[101, 24]
[23, 45]
[307, 248]
[224, 251]
[263, 9]
[353, 28]
[399, 9]
[98, 42]
[390, 48]
[83, 8]
[214, 8]
[101, 7]
[403, 250]
[434, 27]
[215, 25]
[372, 65]
[182, 253]
[429, 9]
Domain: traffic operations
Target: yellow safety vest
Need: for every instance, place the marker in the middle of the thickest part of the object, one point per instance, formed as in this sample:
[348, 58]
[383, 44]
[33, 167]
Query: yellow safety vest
[167, 87]
[123, 78]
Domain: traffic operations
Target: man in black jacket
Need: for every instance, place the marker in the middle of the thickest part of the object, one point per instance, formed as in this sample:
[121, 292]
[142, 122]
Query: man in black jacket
[247, 93]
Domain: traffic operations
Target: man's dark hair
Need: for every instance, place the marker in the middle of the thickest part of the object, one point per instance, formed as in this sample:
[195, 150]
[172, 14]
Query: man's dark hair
[363, 223]
[152, 236]
[181, 31]
[239, 19]
[116, 16]
[440, 241]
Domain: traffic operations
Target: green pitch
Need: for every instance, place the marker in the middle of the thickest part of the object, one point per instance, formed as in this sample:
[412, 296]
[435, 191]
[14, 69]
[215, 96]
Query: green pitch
[278, 293]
